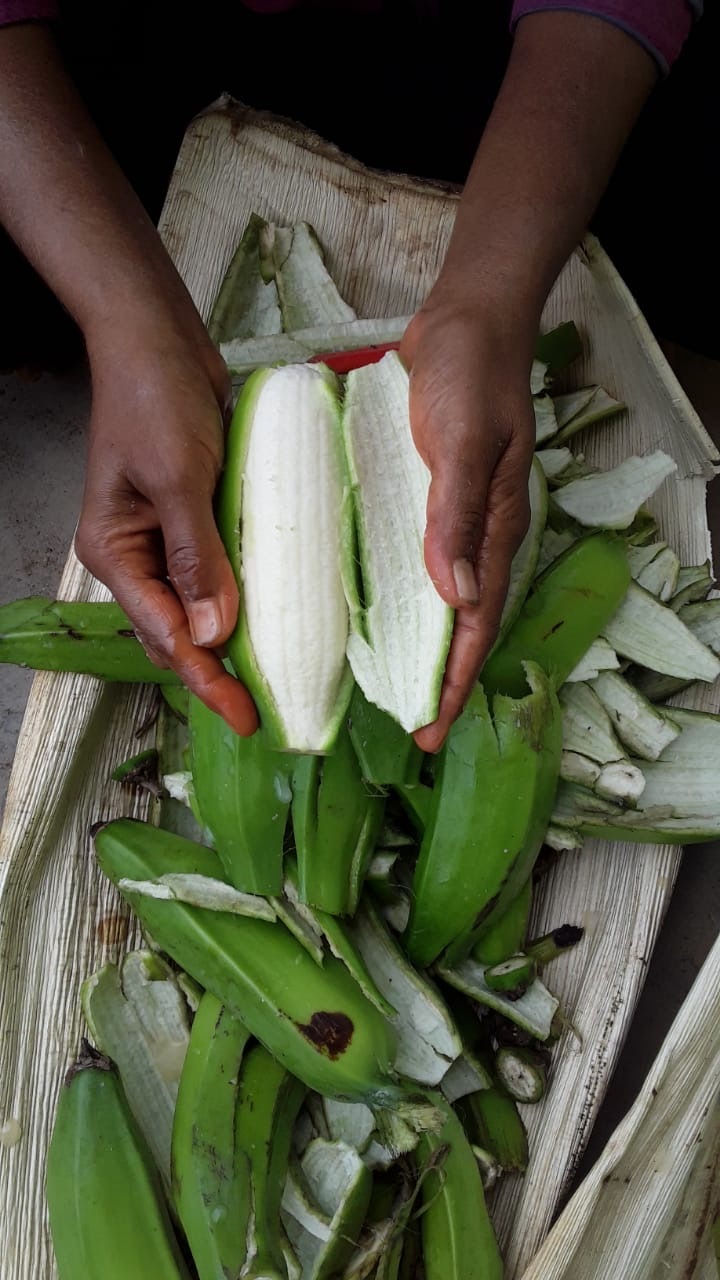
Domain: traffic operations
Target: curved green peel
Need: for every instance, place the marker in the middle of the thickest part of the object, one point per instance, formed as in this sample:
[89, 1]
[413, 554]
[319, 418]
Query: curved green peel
[491, 806]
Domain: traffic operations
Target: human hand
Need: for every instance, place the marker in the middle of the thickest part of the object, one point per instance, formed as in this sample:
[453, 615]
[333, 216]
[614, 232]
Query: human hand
[147, 530]
[473, 425]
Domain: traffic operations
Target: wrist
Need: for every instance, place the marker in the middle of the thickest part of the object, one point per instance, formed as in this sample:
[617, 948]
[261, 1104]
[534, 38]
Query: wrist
[136, 322]
[154, 346]
[504, 312]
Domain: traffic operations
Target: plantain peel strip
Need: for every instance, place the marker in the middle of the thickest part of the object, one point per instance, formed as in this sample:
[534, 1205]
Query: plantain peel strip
[492, 802]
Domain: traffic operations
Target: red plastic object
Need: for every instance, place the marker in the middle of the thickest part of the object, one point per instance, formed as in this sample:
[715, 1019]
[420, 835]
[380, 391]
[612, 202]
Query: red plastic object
[344, 361]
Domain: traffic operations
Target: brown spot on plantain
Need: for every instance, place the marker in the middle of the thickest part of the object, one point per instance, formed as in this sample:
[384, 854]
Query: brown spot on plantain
[329, 1033]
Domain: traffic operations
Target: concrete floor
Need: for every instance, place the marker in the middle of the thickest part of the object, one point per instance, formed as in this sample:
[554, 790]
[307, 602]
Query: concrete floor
[42, 441]
[42, 447]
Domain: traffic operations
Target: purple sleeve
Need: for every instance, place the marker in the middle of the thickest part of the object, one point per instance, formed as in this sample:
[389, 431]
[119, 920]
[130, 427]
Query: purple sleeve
[26, 11]
[661, 26]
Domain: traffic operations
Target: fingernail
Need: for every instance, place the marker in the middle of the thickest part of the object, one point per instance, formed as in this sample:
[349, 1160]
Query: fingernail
[465, 582]
[205, 621]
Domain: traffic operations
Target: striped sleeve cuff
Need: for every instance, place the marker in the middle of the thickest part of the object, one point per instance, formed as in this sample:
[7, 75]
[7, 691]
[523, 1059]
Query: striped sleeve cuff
[660, 26]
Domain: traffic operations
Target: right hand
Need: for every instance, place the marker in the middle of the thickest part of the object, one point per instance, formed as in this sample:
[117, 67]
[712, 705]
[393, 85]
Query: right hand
[472, 423]
[161, 396]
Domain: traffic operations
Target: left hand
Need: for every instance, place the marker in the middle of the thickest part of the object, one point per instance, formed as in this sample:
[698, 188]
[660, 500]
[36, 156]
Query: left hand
[473, 425]
[147, 529]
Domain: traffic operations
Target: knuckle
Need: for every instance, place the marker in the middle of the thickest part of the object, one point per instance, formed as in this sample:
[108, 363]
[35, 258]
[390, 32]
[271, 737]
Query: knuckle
[154, 651]
[513, 435]
[522, 444]
[83, 547]
[184, 565]
[185, 474]
[519, 521]
[466, 523]
[219, 375]
[177, 478]
[91, 549]
[192, 476]
[158, 636]
[472, 625]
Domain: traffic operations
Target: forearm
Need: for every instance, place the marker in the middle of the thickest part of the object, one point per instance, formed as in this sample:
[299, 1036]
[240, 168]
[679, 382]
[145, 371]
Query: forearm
[573, 89]
[67, 204]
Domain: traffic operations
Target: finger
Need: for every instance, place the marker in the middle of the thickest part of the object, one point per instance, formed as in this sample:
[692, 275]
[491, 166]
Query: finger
[153, 654]
[455, 515]
[476, 628]
[471, 641]
[130, 571]
[161, 621]
[461, 449]
[506, 523]
[198, 567]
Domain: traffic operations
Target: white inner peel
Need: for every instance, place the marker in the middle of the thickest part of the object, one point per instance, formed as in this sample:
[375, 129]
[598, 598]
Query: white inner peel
[349, 1122]
[599, 657]
[651, 634]
[644, 729]
[331, 1169]
[686, 774]
[297, 617]
[408, 625]
[611, 499]
[308, 293]
[428, 1041]
[660, 576]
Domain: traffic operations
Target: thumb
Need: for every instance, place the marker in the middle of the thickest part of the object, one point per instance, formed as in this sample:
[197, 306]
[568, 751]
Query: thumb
[455, 521]
[199, 569]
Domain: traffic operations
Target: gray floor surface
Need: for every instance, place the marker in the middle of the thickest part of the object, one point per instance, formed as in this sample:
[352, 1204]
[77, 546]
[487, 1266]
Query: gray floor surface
[42, 442]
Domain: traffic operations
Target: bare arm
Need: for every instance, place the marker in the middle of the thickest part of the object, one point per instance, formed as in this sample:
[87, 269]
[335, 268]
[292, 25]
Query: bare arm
[573, 89]
[160, 389]
[571, 94]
